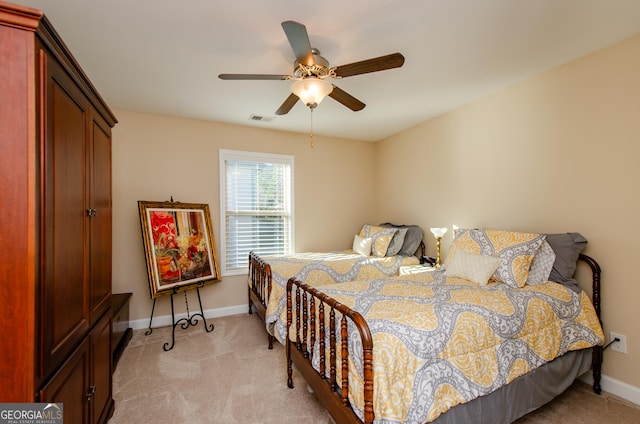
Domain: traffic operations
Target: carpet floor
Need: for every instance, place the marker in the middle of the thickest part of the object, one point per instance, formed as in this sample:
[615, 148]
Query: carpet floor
[229, 376]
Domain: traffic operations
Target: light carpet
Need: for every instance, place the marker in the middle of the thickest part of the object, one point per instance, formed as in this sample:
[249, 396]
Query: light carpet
[229, 376]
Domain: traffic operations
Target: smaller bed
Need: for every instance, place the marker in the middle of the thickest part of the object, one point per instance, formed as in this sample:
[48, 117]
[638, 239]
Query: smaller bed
[437, 347]
[378, 251]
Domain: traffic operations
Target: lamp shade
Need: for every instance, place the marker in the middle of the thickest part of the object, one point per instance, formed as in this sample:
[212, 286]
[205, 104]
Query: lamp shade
[438, 232]
[311, 90]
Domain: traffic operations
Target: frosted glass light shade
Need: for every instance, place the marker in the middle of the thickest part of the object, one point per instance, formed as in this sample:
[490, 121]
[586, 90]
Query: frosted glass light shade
[438, 232]
[311, 90]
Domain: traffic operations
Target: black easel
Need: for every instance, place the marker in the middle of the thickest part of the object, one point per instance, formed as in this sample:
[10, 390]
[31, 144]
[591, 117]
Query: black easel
[190, 320]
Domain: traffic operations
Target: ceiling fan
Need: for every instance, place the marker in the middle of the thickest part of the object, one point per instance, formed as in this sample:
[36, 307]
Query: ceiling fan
[311, 71]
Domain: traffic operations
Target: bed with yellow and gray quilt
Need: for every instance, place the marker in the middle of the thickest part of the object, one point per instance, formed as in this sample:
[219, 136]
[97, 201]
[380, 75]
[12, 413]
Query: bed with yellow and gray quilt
[377, 251]
[490, 326]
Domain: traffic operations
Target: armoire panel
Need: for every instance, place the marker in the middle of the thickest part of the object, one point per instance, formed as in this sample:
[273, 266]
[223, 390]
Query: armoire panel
[65, 317]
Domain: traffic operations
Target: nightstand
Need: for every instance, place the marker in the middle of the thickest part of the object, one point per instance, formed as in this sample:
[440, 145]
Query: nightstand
[416, 269]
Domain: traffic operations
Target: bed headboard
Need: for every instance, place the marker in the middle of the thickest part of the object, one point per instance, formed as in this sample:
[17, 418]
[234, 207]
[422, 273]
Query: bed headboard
[595, 284]
[596, 362]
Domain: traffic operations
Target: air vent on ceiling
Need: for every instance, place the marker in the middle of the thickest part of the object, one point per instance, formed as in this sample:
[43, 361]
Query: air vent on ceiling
[261, 118]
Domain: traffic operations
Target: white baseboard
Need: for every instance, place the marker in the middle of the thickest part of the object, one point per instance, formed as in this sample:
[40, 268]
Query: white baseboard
[165, 320]
[615, 387]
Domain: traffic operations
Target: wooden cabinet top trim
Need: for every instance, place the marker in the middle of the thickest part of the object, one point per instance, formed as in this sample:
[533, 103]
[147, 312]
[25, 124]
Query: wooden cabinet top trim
[19, 16]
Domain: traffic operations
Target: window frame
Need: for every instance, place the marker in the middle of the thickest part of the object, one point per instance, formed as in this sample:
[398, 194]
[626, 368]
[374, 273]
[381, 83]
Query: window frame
[256, 157]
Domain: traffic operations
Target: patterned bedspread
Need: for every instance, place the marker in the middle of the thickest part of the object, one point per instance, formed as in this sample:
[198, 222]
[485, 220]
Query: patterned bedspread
[440, 341]
[317, 269]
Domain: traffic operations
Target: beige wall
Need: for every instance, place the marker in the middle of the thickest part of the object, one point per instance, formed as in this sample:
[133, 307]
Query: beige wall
[555, 153]
[558, 152]
[156, 157]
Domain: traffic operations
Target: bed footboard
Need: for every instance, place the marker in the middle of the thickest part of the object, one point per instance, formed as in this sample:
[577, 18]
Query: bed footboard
[315, 318]
[259, 288]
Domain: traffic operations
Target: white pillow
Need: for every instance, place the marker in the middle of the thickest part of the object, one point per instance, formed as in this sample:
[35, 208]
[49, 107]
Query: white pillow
[362, 245]
[473, 267]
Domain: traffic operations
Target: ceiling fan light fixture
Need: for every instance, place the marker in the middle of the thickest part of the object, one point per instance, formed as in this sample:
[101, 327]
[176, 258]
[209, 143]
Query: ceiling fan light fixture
[311, 90]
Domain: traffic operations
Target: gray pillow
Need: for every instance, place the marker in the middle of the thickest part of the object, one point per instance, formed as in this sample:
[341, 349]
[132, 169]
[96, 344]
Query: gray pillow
[567, 247]
[411, 240]
[397, 241]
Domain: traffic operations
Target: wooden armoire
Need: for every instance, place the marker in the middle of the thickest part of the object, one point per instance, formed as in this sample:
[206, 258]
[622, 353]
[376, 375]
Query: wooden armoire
[55, 224]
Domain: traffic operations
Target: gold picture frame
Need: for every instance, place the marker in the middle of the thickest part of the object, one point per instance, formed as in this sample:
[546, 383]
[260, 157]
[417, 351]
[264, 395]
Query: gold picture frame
[179, 246]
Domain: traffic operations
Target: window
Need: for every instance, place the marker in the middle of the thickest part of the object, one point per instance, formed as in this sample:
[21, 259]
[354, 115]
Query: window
[256, 207]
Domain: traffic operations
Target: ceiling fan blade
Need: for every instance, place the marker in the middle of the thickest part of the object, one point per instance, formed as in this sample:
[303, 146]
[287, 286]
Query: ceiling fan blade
[390, 61]
[346, 99]
[287, 105]
[253, 77]
[299, 40]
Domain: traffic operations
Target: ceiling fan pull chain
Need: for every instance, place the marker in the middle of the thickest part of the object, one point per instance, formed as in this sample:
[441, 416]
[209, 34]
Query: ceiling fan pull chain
[313, 143]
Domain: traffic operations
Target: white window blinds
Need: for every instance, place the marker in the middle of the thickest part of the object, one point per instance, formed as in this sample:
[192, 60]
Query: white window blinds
[256, 202]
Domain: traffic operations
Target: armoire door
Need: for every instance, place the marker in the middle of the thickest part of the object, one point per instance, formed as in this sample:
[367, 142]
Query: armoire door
[99, 204]
[69, 386]
[63, 290]
[101, 403]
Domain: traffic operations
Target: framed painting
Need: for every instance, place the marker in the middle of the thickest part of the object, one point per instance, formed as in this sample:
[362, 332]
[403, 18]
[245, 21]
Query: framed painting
[179, 246]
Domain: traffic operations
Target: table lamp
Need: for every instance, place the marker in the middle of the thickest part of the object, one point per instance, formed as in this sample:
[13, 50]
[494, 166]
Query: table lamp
[438, 233]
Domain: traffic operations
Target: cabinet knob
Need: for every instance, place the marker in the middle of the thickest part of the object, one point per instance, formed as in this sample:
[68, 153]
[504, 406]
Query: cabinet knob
[90, 392]
[92, 212]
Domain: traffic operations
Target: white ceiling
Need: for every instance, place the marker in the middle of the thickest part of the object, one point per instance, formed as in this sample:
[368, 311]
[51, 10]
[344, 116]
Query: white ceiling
[164, 56]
